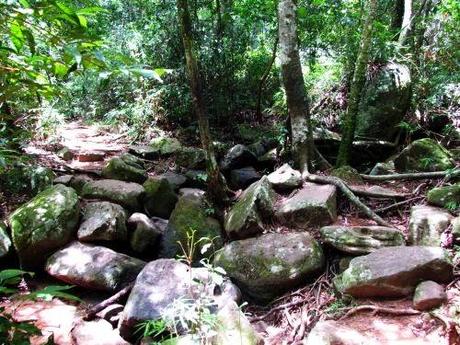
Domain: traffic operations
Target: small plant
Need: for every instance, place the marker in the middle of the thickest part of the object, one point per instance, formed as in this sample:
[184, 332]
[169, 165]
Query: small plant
[427, 162]
[452, 205]
[339, 305]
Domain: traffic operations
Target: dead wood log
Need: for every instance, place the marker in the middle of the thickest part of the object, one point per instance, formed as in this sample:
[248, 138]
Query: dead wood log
[413, 176]
[91, 313]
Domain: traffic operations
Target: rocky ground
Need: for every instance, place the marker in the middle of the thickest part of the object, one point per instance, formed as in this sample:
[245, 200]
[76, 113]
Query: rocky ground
[312, 267]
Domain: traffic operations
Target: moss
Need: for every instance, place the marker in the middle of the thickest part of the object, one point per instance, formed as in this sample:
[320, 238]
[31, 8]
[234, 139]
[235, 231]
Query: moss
[118, 169]
[160, 198]
[348, 174]
[165, 146]
[447, 196]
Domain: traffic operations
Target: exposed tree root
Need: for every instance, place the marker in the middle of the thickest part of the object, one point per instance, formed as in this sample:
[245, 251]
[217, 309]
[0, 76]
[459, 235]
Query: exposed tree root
[349, 194]
[91, 313]
[382, 310]
[397, 204]
[374, 194]
[413, 176]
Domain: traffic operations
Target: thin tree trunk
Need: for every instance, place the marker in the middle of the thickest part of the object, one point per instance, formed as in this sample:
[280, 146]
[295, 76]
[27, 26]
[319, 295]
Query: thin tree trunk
[297, 103]
[357, 85]
[216, 184]
[397, 15]
[406, 23]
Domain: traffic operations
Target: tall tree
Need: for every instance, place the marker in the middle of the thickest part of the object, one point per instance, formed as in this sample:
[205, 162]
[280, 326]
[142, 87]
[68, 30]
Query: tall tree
[296, 95]
[357, 85]
[406, 24]
[216, 184]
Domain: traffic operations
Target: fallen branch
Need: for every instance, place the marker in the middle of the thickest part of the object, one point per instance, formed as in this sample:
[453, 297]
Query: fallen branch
[413, 176]
[382, 310]
[349, 194]
[397, 204]
[91, 313]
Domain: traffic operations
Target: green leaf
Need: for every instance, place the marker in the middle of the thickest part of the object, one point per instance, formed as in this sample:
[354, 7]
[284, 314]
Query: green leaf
[16, 35]
[30, 41]
[24, 3]
[64, 8]
[91, 11]
[83, 21]
[302, 12]
[12, 276]
[59, 69]
[146, 73]
[55, 291]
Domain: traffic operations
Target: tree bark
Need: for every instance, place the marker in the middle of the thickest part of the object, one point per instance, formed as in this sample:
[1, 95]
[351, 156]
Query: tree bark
[297, 103]
[216, 184]
[357, 85]
[406, 23]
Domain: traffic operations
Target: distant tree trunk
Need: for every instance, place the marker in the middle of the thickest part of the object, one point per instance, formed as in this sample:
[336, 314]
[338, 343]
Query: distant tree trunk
[356, 87]
[216, 184]
[297, 102]
[397, 15]
[406, 23]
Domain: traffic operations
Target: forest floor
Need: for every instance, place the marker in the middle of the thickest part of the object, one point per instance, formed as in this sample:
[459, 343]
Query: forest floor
[288, 319]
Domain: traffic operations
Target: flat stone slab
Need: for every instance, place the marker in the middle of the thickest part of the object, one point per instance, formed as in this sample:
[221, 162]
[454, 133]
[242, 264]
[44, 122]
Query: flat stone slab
[426, 225]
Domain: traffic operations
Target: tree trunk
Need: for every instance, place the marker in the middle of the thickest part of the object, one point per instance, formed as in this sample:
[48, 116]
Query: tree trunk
[406, 23]
[357, 85]
[397, 16]
[297, 103]
[216, 184]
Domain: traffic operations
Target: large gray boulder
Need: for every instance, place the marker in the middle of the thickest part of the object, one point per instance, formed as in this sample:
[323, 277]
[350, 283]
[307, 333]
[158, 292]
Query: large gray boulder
[269, 265]
[426, 225]
[103, 221]
[145, 233]
[358, 240]
[285, 178]
[93, 267]
[176, 181]
[127, 194]
[119, 169]
[242, 178]
[5, 241]
[384, 103]
[245, 218]
[394, 271]
[423, 155]
[164, 282]
[313, 205]
[44, 224]
[160, 198]
[238, 156]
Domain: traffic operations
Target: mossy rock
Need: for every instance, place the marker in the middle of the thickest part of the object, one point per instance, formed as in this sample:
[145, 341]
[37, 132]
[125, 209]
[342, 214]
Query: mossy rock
[166, 146]
[26, 179]
[189, 217]
[267, 266]
[160, 198]
[118, 169]
[446, 196]
[191, 158]
[132, 160]
[424, 155]
[44, 224]
[5, 241]
[348, 174]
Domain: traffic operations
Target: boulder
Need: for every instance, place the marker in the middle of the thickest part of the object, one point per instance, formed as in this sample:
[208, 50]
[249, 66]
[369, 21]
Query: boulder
[424, 155]
[191, 158]
[446, 196]
[192, 192]
[118, 169]
[78, 182]
[144, 151]
[384, 102]
[358, 240]
[132, 160]
[97, 332]
[64, 179]
[5, 241]
[160, 198]
[145, 233]
[348, 174]
[190, 217]
[383, 168]
[65, 154]
[285, 178]
[242, 178]
[426, 225]
[175, 180]
[165, 282]
[268, 160]
[166, 146]
[93, 267]
[394, 271]
[456, 228]
[103, 221]
[196, 179]
[127, 194]
[238, 156]
[245, 218]
[269, 265]
[44, 224]
[313, 205]
[429, 295]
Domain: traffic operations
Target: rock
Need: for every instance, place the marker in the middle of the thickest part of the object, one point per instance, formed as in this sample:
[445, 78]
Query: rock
[127, 194]
[189, 216]
[429, 295]
[103, 221]
[192, 192]
[331, 332]
[65, 154]
[93, 267]
[348, 174]
[5, 241]
[191, 158]
[245, 218]
[133, 160]
[384, 102]
[424, 155]
[161, 283]
[175, 180]
[456, 228]
[383, 168]
[78, 182]
[145, 234]
[446, 196]
[97, 332]
[238, 156]
[144, 151]
[242, 178]
[44, 224]
[269, 265]
[426, 224]
[160, 224]
[285, 178]
[258, 149]
[166, 146]
[313, 205]
[90, 156]
[111, 314]
[160, 198]
[358, 240]
[394, 271]
[269, 159]
[118, 169]
[64, 179]
[196, 179]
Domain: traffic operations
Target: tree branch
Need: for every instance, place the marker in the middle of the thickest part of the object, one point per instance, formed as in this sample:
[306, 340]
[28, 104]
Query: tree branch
[413, 176]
